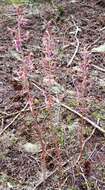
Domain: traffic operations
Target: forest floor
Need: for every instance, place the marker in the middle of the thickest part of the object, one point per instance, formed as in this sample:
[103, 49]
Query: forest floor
[76, 24]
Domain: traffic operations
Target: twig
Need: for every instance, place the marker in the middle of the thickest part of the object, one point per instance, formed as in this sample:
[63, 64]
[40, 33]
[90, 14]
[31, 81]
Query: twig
[77, 43]
[74, 111]
[93, 152]
[98, 68]
[101, 29]
[26, 110]
[92, 133]
[48, 176]
[93, 43]
[83, 145]
[65, 180]
[100, 181]
[13, 120]
[42, 181]
[83, 117]
[86, 182]
[2, 122]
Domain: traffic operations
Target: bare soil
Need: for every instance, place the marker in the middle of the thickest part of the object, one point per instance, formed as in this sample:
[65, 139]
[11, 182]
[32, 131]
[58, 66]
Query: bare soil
[19, 169]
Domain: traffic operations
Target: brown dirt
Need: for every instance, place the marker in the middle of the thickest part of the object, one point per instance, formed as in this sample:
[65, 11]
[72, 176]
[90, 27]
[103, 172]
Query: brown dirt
[20, 169]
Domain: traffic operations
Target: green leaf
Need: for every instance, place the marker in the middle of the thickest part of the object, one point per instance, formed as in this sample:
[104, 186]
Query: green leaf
[100, 49]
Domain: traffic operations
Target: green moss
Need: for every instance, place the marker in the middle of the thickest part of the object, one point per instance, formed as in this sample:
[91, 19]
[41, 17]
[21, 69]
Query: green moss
[2, 156]
[14, 140]
[17, 2]
[60, 11]
[43, 115]
[20, 2]
[72, 103]
[69, 119]
[60, 134]
[6, 179]
[99, 114]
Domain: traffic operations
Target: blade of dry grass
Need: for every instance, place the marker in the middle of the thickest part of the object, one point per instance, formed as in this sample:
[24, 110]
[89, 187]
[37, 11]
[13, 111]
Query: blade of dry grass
[14, 119]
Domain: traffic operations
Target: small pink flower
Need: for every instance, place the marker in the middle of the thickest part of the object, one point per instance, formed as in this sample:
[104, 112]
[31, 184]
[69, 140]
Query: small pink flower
[18, 45]
[29, 63]
[48, 100]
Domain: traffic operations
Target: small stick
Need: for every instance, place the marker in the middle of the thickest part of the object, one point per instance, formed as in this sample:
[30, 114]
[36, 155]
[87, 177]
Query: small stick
[86, 182]
[26, 110]
[13, 120]
[98, 68]
[74, 111]
[42, 181]
[48, 176]
[77, 42]
[83, 145]
[83, 117]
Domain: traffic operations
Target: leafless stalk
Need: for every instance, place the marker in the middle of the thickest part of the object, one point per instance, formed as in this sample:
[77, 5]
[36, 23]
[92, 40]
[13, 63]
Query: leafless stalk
[77, 43]
[80, 115]
[83, 145]
[75, 112]
[86, 182]
[84, 118]
[98, 68]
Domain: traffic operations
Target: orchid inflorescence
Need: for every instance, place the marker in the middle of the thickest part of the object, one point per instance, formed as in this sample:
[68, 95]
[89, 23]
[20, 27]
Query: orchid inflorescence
[18, 37]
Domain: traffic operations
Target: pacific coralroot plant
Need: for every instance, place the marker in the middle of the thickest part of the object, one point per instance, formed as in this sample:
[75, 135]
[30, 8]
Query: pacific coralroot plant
[82, 86]
[49, 66]
[18, 38]
[48, 62]
[52, 92]
[24, 72]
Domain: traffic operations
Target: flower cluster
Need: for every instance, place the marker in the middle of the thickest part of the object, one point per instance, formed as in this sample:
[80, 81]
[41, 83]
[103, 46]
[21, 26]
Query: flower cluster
[82, 84]
[49, 54]
[48, 61]
[18, 37]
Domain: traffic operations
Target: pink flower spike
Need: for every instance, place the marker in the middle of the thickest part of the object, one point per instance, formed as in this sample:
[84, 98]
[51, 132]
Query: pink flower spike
[17, 45]
[24, 22]
[12, 31]
[29, 61]
[26, 36]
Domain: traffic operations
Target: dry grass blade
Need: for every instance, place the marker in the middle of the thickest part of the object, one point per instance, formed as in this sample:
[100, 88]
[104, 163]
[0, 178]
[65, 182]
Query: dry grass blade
[84, 118]
[98, 68]
[13, 120]
[77, 44]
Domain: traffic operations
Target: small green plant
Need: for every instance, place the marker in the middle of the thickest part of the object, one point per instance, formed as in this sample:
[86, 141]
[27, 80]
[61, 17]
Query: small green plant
[17, 2]
[60, 11]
